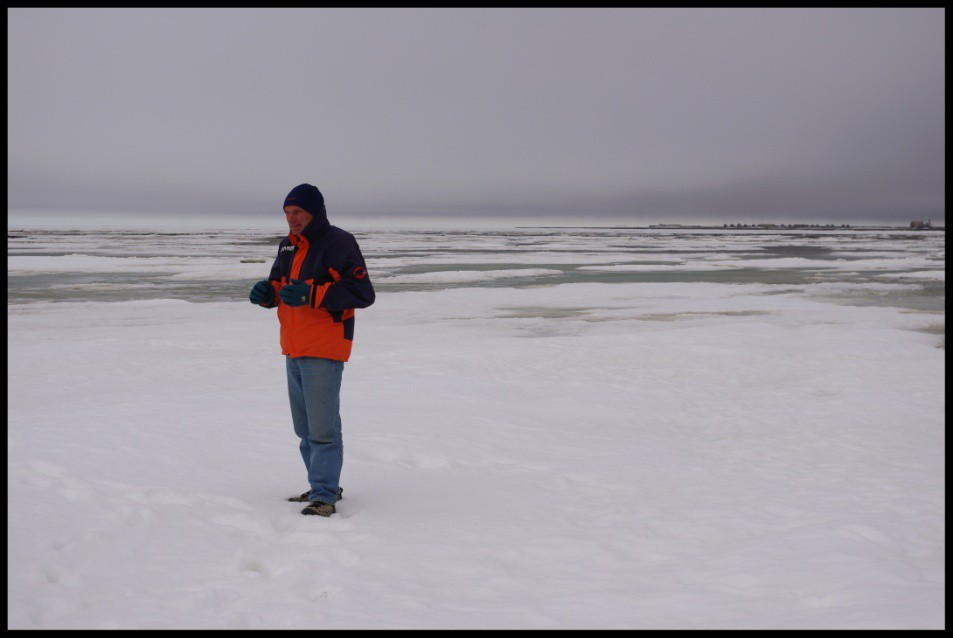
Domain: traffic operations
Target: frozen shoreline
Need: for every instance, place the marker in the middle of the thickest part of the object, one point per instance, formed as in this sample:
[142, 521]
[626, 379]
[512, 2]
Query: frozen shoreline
[678, 455]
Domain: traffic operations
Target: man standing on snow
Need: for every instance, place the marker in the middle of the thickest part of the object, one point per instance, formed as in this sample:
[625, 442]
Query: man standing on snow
[317, 281]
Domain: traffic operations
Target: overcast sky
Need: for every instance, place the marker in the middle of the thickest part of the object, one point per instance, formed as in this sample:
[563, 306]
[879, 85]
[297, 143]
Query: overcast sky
[653, 115]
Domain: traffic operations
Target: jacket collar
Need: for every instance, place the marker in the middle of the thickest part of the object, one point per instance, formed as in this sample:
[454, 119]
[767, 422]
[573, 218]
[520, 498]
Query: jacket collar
[317, 227]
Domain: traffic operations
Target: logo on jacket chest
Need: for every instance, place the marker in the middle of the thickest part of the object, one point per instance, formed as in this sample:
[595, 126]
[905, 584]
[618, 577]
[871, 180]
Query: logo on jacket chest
[289, 249]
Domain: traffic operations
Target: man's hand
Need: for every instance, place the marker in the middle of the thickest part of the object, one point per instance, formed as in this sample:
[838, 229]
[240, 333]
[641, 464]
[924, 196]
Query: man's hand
[262, 293]
[296, 293]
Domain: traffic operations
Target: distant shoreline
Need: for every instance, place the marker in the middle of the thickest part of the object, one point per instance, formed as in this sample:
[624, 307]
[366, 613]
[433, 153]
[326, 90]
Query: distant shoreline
[748, 228]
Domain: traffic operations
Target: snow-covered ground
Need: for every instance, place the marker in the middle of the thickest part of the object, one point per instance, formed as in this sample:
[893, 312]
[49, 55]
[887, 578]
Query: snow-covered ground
[654, 454]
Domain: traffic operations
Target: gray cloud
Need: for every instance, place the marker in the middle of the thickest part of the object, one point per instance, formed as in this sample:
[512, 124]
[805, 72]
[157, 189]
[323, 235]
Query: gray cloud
[633, 112]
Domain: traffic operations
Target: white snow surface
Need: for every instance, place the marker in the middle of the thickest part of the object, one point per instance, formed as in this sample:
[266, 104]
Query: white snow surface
[581, 455]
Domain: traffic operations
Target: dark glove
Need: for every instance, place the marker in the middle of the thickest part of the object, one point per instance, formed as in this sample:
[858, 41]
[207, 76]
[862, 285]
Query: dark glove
[296, 293]
[262, 293]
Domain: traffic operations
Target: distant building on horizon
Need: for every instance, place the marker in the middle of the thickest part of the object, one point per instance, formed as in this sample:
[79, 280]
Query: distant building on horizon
[921, 224]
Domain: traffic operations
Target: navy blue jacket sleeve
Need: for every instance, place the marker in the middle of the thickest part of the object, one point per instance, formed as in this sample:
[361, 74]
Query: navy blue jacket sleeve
[353, 288]
[275, 275]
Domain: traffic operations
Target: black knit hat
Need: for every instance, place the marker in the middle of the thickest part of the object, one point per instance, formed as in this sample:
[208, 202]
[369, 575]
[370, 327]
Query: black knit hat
[307, 197]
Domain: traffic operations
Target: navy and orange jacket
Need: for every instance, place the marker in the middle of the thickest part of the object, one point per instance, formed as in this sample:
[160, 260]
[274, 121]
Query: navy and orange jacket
[330, 260]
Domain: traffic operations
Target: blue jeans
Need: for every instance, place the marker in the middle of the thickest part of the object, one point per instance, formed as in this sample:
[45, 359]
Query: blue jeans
[314, 388]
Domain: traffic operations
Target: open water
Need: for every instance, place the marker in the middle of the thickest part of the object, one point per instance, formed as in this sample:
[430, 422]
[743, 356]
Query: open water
[875, 266]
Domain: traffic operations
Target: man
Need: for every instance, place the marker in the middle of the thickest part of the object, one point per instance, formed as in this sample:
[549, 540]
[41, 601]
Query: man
[316, 282]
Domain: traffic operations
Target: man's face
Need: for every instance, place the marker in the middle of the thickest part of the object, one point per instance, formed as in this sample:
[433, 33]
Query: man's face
[297, 218]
